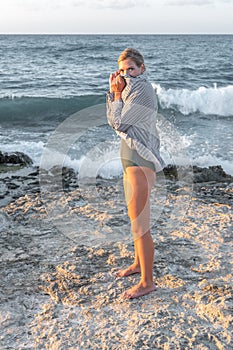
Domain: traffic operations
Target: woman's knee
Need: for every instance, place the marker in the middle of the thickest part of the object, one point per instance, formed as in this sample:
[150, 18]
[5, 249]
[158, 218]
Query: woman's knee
[140, 227]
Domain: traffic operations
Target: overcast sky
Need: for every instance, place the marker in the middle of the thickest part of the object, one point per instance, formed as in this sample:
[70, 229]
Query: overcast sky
[116, 16]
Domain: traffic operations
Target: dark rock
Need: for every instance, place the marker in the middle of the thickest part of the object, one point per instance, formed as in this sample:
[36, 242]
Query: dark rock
[197, 174]
[30, 179]
[52, 177]
[170, 172]
[178, 173]
[15, 158]
[212, 173]
[12, 186]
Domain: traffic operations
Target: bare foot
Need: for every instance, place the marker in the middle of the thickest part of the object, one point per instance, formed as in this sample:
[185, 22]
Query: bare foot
[129, 271]
[139, 290]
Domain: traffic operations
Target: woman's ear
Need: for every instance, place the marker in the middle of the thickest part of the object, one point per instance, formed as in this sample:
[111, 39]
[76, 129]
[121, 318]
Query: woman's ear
[143, 67]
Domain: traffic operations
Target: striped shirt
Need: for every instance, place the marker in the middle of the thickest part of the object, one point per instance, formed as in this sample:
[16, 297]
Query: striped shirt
[134, 118]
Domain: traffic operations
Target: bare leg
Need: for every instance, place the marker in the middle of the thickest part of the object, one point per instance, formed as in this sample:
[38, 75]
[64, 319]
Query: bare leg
[135, 267]
[145, 247]
[141, 180]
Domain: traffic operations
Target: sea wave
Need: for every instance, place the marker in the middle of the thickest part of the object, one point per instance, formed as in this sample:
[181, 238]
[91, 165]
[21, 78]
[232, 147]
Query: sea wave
[32, 110]
[209, 101]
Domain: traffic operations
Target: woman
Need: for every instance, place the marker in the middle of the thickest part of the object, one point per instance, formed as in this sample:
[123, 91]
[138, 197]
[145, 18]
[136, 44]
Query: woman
[131, 111]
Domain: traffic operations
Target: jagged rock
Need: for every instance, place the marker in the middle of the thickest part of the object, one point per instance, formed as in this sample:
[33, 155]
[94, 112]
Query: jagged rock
[33, 180]
[170, 172]
[197, 174]
[212, 173]
[15, 158]
[51, 176]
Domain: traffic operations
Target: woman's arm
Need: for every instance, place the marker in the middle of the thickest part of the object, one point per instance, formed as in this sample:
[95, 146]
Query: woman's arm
[114, 98]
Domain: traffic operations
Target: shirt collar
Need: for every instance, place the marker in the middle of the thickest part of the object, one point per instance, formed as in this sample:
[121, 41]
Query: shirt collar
[142, 76]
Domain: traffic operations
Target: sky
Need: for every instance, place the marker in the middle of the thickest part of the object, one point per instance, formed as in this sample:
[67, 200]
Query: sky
[116, 16]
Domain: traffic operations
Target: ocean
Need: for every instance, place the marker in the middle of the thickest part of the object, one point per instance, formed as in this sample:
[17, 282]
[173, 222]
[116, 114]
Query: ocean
[44, 79]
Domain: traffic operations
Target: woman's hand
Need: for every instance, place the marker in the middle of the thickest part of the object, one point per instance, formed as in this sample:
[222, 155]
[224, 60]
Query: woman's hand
[116, 82]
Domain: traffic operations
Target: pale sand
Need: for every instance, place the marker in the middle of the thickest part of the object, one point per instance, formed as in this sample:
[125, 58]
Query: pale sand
[59, 294]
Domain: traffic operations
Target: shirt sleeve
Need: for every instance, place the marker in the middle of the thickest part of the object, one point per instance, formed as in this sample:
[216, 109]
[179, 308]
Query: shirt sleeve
[114, 110]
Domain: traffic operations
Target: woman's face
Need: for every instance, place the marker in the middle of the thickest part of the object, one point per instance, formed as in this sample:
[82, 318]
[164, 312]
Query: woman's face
[129, 67]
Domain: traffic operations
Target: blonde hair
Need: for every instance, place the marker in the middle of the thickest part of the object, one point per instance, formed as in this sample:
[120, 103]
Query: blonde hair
[133, 54]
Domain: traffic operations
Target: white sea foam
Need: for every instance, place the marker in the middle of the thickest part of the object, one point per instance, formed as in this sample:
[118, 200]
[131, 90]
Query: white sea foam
[102, 160]
[213, 100]
[208, 160]
[32, 149]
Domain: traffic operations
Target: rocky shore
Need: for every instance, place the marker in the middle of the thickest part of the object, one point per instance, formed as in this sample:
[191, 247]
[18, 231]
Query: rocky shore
[18, 176]
[58, 288]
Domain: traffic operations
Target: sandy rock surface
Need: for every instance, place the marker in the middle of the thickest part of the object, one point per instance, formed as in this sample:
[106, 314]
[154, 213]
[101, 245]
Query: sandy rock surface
[58, 261]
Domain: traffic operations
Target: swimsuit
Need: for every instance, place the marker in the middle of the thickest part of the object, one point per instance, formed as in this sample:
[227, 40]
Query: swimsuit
[130, 157]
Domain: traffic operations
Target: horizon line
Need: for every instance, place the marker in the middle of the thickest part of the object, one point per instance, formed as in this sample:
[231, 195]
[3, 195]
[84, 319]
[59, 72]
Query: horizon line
[115, 33]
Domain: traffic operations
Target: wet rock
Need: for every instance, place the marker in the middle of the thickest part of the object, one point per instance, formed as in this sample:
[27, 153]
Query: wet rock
[212, 173]
[197, 174]
[52, 178]
[170, 172]
[15, 184]
[15, 158]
